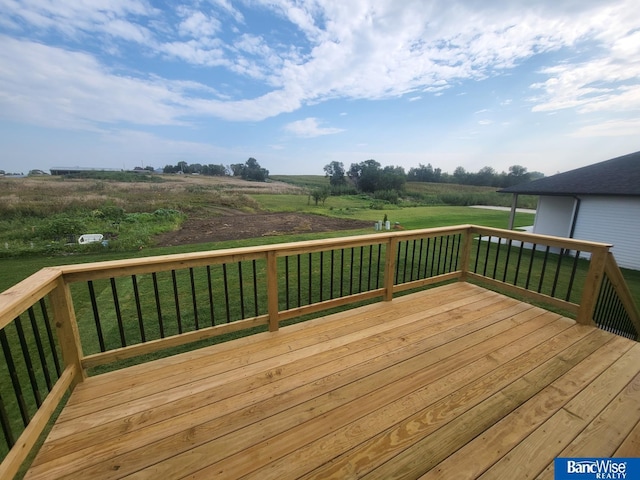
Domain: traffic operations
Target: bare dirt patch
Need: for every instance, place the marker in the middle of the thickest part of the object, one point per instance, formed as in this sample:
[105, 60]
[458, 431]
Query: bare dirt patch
[241, 226]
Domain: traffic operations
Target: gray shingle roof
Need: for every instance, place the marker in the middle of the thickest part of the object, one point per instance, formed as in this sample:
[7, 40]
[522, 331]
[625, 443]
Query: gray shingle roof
[618, 176]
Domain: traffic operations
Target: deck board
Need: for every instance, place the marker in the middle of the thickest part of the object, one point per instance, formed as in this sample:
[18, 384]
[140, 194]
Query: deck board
[452, 382]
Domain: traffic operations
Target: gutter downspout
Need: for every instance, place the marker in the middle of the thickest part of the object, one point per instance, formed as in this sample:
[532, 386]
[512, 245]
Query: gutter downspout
[574, 219]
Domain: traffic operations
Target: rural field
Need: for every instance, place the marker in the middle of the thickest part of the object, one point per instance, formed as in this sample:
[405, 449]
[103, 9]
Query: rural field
[41, 218]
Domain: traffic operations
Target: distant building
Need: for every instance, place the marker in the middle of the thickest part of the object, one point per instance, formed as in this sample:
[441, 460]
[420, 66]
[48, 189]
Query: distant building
[70, 170]
[599, 202]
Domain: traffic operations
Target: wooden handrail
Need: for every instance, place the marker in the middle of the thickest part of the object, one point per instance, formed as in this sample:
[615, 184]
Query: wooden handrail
[17, 299]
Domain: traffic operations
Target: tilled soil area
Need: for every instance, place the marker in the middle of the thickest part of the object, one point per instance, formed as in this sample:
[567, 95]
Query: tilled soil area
[241, 226]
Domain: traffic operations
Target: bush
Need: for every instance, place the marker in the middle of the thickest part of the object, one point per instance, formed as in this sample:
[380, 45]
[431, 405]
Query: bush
[62, 225]
[390, 196]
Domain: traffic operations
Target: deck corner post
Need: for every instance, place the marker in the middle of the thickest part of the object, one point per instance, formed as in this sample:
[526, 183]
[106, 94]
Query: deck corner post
[390, 268]
[592, 284]
[64, 317]
[272, 291]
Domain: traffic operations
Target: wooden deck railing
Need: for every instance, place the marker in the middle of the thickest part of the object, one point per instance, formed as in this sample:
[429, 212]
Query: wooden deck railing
[111, 311]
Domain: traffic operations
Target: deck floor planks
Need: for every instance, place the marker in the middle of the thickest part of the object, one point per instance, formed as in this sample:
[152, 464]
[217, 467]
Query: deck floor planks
[400, 395]
[355, 392]
[405, 351]
[536, 453]
[401, 345]
[486, 449]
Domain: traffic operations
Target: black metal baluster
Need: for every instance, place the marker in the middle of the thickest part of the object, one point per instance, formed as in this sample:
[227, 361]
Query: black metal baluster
[533, 253]
[39, 346]
[116, 305]
[226, 291]
[475, 266]
[341, 272]
[310, 298]
[6, 425]
[451, 255]
[406, 261]
[455, 264]
[17, 389]
[241, 280]
[351, 273]
[413, 261]
[210, 288]
[420, 259]
[255, 289]
[52, 343]
[194, 300]
[158, 307]
[506, 262]
[321, 275]
[426, 258]
[557, 275]
[136, 296]
[433, 257]
[332, 273]
[176, 299]
[286, 281]
[495, 265]
[444, 258]
[361, 266]
[573, 275]
[96, 315]
[378, 268]
[515, 277]
[398, 262]
[486, 257]
[27, 361]
[299, 282]
[369, 267]
[544, 268]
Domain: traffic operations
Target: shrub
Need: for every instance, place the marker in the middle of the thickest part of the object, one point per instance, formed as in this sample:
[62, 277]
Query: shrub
[390, 196]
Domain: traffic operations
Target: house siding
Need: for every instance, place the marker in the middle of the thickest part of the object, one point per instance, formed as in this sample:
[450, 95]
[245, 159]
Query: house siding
[614, 220]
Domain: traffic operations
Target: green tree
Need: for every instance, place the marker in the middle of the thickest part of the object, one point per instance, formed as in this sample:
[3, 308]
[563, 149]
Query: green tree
[250, 170]
[320, 194]
[335, 172]
[365, 175]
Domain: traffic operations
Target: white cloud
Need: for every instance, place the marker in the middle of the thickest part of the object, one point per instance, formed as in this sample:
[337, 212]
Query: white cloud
[197, 24]
[309, 127]
[612, 128]
[53, 87]
[365, 49]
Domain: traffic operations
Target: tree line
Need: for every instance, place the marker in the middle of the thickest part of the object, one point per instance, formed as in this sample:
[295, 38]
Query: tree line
[370, 177]
[250, 170]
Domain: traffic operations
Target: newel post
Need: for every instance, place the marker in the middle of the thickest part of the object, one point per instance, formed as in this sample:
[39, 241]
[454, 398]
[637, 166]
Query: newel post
[64, 317]
[272, 290]
[592, 285]
[390, 268]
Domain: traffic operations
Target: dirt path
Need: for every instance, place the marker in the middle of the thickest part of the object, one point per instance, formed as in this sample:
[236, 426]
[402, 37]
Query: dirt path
[241, 226]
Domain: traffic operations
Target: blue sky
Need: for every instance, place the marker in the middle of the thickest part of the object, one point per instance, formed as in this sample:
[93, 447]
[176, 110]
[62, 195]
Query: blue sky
[550, 85]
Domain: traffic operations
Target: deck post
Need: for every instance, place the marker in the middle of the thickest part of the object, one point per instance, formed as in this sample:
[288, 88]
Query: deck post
[466, 253]
[272, 290]
[592, 285]
[66, 325]
[390, 268]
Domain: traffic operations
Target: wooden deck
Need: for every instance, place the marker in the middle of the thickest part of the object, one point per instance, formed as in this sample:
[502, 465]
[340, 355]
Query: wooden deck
[453, 382]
